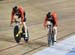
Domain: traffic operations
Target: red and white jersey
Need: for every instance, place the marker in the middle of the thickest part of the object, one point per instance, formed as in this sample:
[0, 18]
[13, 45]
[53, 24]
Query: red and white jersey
[21, 11]
[54, 17]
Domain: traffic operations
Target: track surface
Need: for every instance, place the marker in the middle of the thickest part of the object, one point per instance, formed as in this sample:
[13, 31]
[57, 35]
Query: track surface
[58, 49]
[35, 13]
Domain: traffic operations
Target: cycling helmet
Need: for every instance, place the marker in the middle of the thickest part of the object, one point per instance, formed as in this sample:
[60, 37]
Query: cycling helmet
[49, 14]
[15, 8]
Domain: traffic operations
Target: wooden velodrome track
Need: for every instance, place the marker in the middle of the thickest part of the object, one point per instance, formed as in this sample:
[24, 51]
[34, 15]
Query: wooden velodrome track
[35, 13]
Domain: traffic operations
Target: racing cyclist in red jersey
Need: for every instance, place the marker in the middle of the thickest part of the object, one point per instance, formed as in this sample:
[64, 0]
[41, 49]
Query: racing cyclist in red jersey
[20, 13]
[52, 17]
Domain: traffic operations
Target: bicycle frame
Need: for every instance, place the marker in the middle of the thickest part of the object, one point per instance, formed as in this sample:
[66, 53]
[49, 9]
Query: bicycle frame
[17, 23]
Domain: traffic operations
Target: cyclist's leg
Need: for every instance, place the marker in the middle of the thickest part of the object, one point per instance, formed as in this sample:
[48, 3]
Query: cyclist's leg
[25, 26]
[55, 32]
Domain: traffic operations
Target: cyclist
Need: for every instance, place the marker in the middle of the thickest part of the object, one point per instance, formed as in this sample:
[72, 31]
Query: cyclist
[52, 17]
[20, 13]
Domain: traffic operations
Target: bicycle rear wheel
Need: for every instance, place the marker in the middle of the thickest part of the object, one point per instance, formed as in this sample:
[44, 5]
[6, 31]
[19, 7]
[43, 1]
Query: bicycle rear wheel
[52, 37]
[24, 35]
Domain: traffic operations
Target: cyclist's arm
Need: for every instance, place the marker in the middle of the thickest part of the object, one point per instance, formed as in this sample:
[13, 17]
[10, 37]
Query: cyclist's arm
[56, 21]
[12, 16]
[22, 15]
[45, 21]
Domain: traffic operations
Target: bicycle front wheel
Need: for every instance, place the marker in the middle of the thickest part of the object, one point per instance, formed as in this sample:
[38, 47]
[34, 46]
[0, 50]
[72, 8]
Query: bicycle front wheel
[16, 29]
